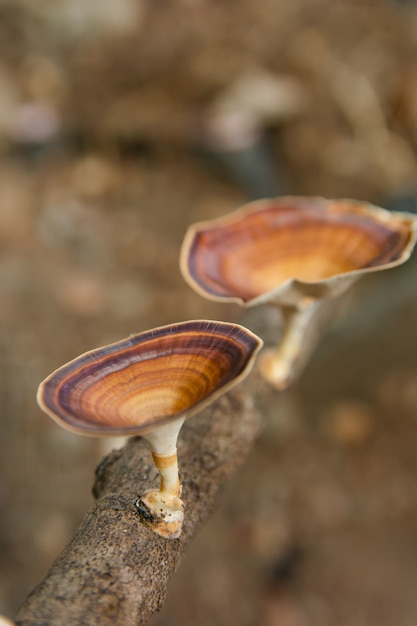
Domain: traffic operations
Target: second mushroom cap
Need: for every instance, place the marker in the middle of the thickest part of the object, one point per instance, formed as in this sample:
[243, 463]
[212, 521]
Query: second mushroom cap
[294, 253]
[292, 243]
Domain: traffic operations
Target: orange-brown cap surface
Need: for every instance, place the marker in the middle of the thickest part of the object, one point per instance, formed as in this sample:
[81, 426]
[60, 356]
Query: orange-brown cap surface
[288, 247]
[132, 386]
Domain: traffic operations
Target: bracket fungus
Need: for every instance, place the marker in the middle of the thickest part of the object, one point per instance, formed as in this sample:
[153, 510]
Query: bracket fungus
[295, 253]
[148, 384]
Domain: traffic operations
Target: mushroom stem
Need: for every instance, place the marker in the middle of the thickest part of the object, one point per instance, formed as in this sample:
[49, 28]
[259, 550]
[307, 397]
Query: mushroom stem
[281, 365]
[168, 470]
[163, 509]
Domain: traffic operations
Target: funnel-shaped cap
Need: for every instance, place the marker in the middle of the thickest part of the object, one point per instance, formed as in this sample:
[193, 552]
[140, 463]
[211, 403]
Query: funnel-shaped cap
[135, 385]
[290, 248]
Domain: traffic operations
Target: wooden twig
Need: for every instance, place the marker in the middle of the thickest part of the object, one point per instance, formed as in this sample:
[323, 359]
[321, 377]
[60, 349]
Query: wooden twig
[115, 570]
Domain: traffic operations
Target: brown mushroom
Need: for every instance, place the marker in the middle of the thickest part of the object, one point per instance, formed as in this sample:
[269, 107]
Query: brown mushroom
[147, 385]
[295, 253]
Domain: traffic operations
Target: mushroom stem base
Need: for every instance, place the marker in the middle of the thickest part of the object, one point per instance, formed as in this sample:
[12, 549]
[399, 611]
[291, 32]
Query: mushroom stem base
[163, 512]
[274, 370]
[301, 333]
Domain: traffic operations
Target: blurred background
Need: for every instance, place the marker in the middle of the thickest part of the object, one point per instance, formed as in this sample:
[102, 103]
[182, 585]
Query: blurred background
[120, 124]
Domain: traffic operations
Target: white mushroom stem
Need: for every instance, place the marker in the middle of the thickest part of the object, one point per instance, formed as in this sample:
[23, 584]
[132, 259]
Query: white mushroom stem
[164, 507]
[168, 470]
[163, 445]
[300, 335]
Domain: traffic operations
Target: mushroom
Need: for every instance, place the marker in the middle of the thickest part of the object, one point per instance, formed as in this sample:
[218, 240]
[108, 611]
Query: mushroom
[148, 384]
[295, 253]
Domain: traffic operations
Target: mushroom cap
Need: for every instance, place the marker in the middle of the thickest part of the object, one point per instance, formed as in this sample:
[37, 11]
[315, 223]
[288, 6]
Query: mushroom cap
[134, 385]
[290, 248]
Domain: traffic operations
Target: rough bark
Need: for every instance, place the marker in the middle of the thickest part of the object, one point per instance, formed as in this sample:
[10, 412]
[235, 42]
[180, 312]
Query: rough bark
[115, 570]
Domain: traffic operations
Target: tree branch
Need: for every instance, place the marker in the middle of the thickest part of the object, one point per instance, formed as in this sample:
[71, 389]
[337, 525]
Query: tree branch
[115, 570]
